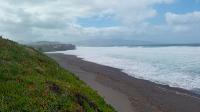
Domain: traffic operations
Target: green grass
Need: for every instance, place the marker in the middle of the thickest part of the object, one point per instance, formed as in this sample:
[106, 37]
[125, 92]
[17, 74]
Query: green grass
[31, 81]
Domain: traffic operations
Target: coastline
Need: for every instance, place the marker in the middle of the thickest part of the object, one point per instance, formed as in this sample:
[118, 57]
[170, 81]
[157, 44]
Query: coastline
[126, 93]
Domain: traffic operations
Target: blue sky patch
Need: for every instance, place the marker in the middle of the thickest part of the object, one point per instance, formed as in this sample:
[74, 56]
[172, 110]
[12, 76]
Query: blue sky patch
[179, 7]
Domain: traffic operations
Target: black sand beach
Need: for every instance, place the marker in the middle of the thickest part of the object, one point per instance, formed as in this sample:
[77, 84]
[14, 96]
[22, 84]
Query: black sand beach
[128, 94]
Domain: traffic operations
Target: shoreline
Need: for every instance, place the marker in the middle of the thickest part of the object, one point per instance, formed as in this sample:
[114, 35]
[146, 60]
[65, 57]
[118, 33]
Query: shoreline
[126, 93]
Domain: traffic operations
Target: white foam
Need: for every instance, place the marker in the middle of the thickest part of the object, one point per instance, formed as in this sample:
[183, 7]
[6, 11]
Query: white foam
[175, 66]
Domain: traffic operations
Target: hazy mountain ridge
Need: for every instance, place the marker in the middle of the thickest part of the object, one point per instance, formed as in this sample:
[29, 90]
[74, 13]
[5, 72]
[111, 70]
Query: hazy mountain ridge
[126, 42]
[47, 46]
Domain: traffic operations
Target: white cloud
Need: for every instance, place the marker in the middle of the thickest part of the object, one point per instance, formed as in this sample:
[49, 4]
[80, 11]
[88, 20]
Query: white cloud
[183, 22]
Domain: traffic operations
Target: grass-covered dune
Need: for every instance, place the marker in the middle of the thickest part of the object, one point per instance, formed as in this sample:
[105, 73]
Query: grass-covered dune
[31, 81]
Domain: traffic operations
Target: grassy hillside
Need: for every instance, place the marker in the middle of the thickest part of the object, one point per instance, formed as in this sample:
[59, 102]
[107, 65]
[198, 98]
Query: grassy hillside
[30, 81]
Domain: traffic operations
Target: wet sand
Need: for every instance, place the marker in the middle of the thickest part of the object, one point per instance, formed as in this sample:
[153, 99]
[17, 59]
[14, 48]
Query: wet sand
[128, 94]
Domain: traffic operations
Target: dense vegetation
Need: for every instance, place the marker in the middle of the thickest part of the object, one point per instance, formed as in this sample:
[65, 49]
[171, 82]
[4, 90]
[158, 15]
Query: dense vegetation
[30, 81]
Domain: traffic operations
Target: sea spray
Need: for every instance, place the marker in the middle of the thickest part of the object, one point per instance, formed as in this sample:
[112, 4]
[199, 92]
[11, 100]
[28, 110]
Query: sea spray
[174, 66]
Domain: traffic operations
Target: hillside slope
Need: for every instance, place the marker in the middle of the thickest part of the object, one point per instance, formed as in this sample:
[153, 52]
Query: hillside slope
[30, 81]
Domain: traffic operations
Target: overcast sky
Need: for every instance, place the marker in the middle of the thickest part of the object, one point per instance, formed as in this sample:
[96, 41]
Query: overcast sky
[74, 20]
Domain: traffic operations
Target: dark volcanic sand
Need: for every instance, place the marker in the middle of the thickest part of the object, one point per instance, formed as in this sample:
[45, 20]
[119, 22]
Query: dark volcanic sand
[128, 94]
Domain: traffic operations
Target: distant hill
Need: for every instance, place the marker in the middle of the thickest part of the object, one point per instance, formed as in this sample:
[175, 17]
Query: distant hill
[113, 42]
[126, 42]
[46, 46]
[32, 82]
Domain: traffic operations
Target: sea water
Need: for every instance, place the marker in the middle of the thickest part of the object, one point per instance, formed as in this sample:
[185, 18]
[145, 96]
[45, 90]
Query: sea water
[173, 66]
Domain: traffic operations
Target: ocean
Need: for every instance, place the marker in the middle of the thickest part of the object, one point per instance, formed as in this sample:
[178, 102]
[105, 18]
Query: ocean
[174, 66]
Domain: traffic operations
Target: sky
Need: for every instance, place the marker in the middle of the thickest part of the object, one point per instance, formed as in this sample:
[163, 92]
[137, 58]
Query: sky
[169, 21]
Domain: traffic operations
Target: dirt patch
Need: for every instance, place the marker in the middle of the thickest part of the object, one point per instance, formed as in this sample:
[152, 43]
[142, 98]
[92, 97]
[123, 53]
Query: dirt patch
[53, 87]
